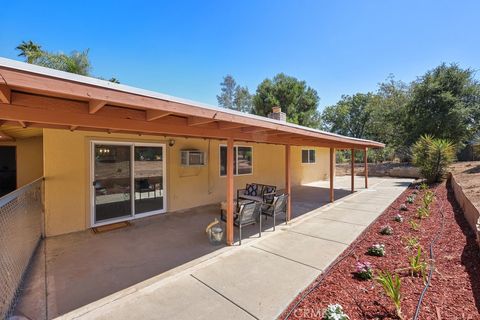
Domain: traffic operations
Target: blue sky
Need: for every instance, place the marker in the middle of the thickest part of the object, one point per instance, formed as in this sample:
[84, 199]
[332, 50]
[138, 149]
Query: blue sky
[184, 48]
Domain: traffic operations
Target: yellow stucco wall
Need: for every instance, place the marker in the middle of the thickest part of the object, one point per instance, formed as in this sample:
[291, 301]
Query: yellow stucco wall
[303, 173]
[67, 172]
[29, 154]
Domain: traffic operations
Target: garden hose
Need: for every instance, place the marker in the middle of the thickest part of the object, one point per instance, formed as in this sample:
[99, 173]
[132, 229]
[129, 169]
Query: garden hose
[330, 267]
[358, 240]
[432, 265]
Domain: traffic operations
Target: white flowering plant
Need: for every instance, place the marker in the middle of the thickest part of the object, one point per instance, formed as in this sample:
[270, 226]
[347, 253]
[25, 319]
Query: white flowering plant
[398, 218]
[335, 312]
[377, 250]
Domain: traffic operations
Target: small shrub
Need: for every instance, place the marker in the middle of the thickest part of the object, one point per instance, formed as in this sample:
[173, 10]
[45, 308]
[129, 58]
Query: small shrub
[433, 156]
[423, 186]
[414, 225]
[403, 207]
[417, 265]
[363, 270]
[377, 250]
[335, 312]
[391, 285]
[410, 199]
[412, 242]
[398, 218]
[423, 212]
[386, 230]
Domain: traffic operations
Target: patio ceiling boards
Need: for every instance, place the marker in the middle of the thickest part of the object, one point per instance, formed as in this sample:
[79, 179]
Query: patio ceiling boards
[33, 96]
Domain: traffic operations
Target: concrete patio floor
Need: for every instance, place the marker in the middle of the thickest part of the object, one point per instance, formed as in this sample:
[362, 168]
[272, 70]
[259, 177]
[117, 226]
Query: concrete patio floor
[189, 278]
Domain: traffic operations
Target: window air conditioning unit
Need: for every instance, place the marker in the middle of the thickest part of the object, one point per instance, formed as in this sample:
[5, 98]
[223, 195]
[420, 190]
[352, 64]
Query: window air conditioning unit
[192, 157]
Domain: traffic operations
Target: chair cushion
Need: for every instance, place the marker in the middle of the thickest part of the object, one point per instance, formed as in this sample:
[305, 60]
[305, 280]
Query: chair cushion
[252, 190]
[270, 189]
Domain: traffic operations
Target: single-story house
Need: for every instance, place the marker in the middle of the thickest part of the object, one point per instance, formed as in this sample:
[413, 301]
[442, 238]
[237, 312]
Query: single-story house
[109, 152]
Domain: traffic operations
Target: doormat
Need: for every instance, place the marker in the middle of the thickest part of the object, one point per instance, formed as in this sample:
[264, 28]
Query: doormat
[111, 227]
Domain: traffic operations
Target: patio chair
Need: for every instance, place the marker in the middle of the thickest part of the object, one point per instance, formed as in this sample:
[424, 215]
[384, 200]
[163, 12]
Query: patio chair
[247, 214]
[277, 207]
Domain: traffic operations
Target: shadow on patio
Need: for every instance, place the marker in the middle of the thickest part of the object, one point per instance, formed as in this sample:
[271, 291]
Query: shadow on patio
[83, 267]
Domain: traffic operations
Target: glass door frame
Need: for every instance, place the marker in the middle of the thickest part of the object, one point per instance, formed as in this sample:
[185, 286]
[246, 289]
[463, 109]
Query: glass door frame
[132, 145]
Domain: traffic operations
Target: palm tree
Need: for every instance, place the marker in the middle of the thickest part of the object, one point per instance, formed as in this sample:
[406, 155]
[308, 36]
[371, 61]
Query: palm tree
[77, 62]
[30, 50]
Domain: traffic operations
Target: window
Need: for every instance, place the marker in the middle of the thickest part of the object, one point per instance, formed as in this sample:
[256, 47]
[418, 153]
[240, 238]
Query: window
[308, 156]
[242, 160]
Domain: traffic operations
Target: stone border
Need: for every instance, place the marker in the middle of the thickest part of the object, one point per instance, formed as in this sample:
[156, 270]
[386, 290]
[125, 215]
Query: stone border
[470, 212]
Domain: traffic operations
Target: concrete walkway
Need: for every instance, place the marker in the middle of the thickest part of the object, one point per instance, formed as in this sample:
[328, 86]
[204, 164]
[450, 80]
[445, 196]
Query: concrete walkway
[258, 279]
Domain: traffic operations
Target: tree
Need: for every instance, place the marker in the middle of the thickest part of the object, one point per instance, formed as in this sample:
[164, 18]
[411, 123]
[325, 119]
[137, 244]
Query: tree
[30, 50]
[445, 104]
[234, 96]
[296, 99]
[351, 116]
[76, 62]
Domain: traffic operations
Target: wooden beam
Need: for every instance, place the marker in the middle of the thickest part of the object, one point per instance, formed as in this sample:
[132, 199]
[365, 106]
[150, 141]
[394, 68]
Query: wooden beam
[230, 125]
[197, 121]
[73, 128]
[151, 115]
[95, 105]
[254, 129]
[23, 124]
[352, 157]
[48, 111]
[5, 94]
[230, 193]
[288, 182]
[365, 156]
[34, 83]
[332, 174]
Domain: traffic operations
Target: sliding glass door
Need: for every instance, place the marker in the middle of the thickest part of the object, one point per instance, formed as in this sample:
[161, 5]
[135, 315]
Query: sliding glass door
[128, 181]
[149, 182]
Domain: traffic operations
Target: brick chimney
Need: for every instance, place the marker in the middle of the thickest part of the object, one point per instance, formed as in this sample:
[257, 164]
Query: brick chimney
[277, 114]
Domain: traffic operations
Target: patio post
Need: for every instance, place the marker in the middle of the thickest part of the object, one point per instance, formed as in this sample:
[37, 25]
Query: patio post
[353, 169]
[288, 184]
[230, 193]
[332, 173]
[366, 166]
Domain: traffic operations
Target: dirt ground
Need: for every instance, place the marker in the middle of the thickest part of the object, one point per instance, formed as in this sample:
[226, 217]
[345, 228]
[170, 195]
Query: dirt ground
[467, 174]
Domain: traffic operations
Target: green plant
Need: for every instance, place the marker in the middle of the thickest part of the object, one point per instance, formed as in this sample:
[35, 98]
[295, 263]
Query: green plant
[410, 199]
[391, 285]
[398, 218]
[417, 265]
[377, 250]
[386, 230]
[423, 212]
[428, 198]
[423, 186]
[412, 242]
[335, 312]
[363, 270]
[414, 225]
[433, 156]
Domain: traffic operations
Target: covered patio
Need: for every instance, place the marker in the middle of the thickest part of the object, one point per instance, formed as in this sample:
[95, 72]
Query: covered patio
[86, 122]
[83, 267]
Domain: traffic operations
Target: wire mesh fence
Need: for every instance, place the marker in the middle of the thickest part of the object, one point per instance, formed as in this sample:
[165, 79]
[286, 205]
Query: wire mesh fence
[21, 229]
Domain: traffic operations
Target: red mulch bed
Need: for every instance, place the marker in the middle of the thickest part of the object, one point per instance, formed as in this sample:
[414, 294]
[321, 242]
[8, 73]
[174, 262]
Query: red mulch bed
[454, 292]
